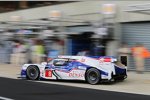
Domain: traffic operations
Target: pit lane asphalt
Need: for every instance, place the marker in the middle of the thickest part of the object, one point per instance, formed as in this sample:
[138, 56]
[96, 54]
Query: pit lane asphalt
[29, 90]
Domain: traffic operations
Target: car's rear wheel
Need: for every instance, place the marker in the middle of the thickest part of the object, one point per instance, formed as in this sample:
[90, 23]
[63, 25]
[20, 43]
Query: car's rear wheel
[33, 73]
[93, 76]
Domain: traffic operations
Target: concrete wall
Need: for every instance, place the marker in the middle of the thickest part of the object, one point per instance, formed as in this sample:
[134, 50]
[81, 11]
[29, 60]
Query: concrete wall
[88, 10]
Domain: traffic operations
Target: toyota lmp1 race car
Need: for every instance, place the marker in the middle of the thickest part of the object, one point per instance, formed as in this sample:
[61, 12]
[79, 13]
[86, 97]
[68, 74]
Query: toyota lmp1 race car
[90, 69]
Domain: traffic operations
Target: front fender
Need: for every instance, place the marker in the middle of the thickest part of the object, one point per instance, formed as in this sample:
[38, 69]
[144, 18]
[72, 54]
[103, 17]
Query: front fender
[25, 66]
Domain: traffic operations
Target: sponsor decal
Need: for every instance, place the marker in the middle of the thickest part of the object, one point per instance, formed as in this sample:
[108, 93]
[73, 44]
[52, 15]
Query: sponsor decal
[75, 74]
[82, 60]
[48, 73]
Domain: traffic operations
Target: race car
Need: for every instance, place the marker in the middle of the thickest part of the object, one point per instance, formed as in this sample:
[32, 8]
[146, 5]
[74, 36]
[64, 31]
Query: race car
[90, 69]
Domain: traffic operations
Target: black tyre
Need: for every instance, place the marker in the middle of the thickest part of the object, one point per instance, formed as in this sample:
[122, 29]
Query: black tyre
[33, 73]
[93, 76]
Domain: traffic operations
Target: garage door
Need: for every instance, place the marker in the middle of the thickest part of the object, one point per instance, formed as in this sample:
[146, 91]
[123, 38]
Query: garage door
[133, 33]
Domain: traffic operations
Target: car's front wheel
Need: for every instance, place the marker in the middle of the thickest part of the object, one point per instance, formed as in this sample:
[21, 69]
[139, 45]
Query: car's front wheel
[93, 76]
[32, 72]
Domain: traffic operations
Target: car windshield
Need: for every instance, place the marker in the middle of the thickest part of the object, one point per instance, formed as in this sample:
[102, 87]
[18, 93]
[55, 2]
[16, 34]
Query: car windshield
[59, 62]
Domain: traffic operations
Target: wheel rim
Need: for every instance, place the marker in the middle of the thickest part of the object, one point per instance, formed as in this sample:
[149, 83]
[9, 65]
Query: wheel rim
[92, 76]
[33, 73]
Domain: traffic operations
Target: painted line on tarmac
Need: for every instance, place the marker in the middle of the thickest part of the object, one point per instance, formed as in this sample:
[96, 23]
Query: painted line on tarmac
[4, 98]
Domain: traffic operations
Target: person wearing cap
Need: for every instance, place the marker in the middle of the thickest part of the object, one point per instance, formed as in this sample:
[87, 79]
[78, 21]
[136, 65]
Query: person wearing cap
[140, 53]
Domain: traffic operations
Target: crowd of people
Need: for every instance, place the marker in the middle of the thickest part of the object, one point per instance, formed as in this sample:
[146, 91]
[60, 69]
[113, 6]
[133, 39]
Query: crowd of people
[23, 53]
[31, 51]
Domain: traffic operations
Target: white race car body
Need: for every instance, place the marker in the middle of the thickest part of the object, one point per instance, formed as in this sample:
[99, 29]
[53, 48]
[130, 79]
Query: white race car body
[76, 67]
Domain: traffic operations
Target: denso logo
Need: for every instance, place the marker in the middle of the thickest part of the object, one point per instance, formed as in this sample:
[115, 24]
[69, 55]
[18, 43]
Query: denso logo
[75, 74]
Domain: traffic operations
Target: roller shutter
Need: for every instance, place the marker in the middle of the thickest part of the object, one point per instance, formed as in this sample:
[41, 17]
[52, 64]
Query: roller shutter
[133, 33]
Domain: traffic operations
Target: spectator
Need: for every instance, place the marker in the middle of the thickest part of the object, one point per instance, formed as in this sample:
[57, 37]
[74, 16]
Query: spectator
[8, 51]
[29, 51]
[38, 52]
[57, 45]
[139, 54]
[19, 50]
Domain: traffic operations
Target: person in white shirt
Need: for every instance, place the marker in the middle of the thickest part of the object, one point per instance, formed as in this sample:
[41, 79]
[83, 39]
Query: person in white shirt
[19, 53]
